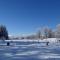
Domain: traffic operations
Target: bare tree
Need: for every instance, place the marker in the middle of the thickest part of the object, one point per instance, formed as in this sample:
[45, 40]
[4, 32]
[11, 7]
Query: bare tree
[57, 31]
[38, 34]
[48, 32]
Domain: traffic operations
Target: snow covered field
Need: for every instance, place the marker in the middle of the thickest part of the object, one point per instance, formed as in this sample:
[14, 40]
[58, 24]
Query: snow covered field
[31, 50]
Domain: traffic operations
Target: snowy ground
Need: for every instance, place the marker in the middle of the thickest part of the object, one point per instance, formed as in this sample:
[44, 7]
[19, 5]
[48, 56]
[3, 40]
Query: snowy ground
[31, 51]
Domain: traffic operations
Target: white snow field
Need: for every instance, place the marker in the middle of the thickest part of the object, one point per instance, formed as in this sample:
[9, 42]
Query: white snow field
[30, 50]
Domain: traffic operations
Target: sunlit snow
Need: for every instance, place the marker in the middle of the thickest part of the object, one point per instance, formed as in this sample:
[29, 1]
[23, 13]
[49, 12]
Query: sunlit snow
[31, 50]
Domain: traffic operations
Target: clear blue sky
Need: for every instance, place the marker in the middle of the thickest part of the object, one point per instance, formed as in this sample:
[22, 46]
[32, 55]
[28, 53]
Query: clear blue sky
[25, 16]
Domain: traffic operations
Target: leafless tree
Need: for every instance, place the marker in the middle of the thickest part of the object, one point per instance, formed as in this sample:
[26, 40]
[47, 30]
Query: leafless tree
[57, 31]
[48, 32]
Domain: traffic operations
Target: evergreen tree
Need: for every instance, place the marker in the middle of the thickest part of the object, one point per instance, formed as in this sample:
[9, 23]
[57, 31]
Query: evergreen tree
[3, 32]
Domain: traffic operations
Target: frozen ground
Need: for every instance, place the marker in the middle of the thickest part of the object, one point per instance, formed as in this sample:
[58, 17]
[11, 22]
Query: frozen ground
[30, 51]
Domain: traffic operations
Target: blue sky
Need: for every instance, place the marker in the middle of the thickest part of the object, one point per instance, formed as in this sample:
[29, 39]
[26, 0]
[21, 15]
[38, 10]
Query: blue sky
[25, 16]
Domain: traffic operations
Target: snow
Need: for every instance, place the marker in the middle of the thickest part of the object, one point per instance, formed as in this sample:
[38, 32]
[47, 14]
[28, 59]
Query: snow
[37, 40]
[31, 50]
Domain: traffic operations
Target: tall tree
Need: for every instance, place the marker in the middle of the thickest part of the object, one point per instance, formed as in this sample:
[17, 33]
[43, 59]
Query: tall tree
[45, 32]
[48, 32]
[58, 31]
[39, 34]
[3, 32]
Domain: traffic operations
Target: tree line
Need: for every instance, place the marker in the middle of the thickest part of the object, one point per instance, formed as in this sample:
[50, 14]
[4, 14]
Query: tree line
[42, 33]
[47, 32]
